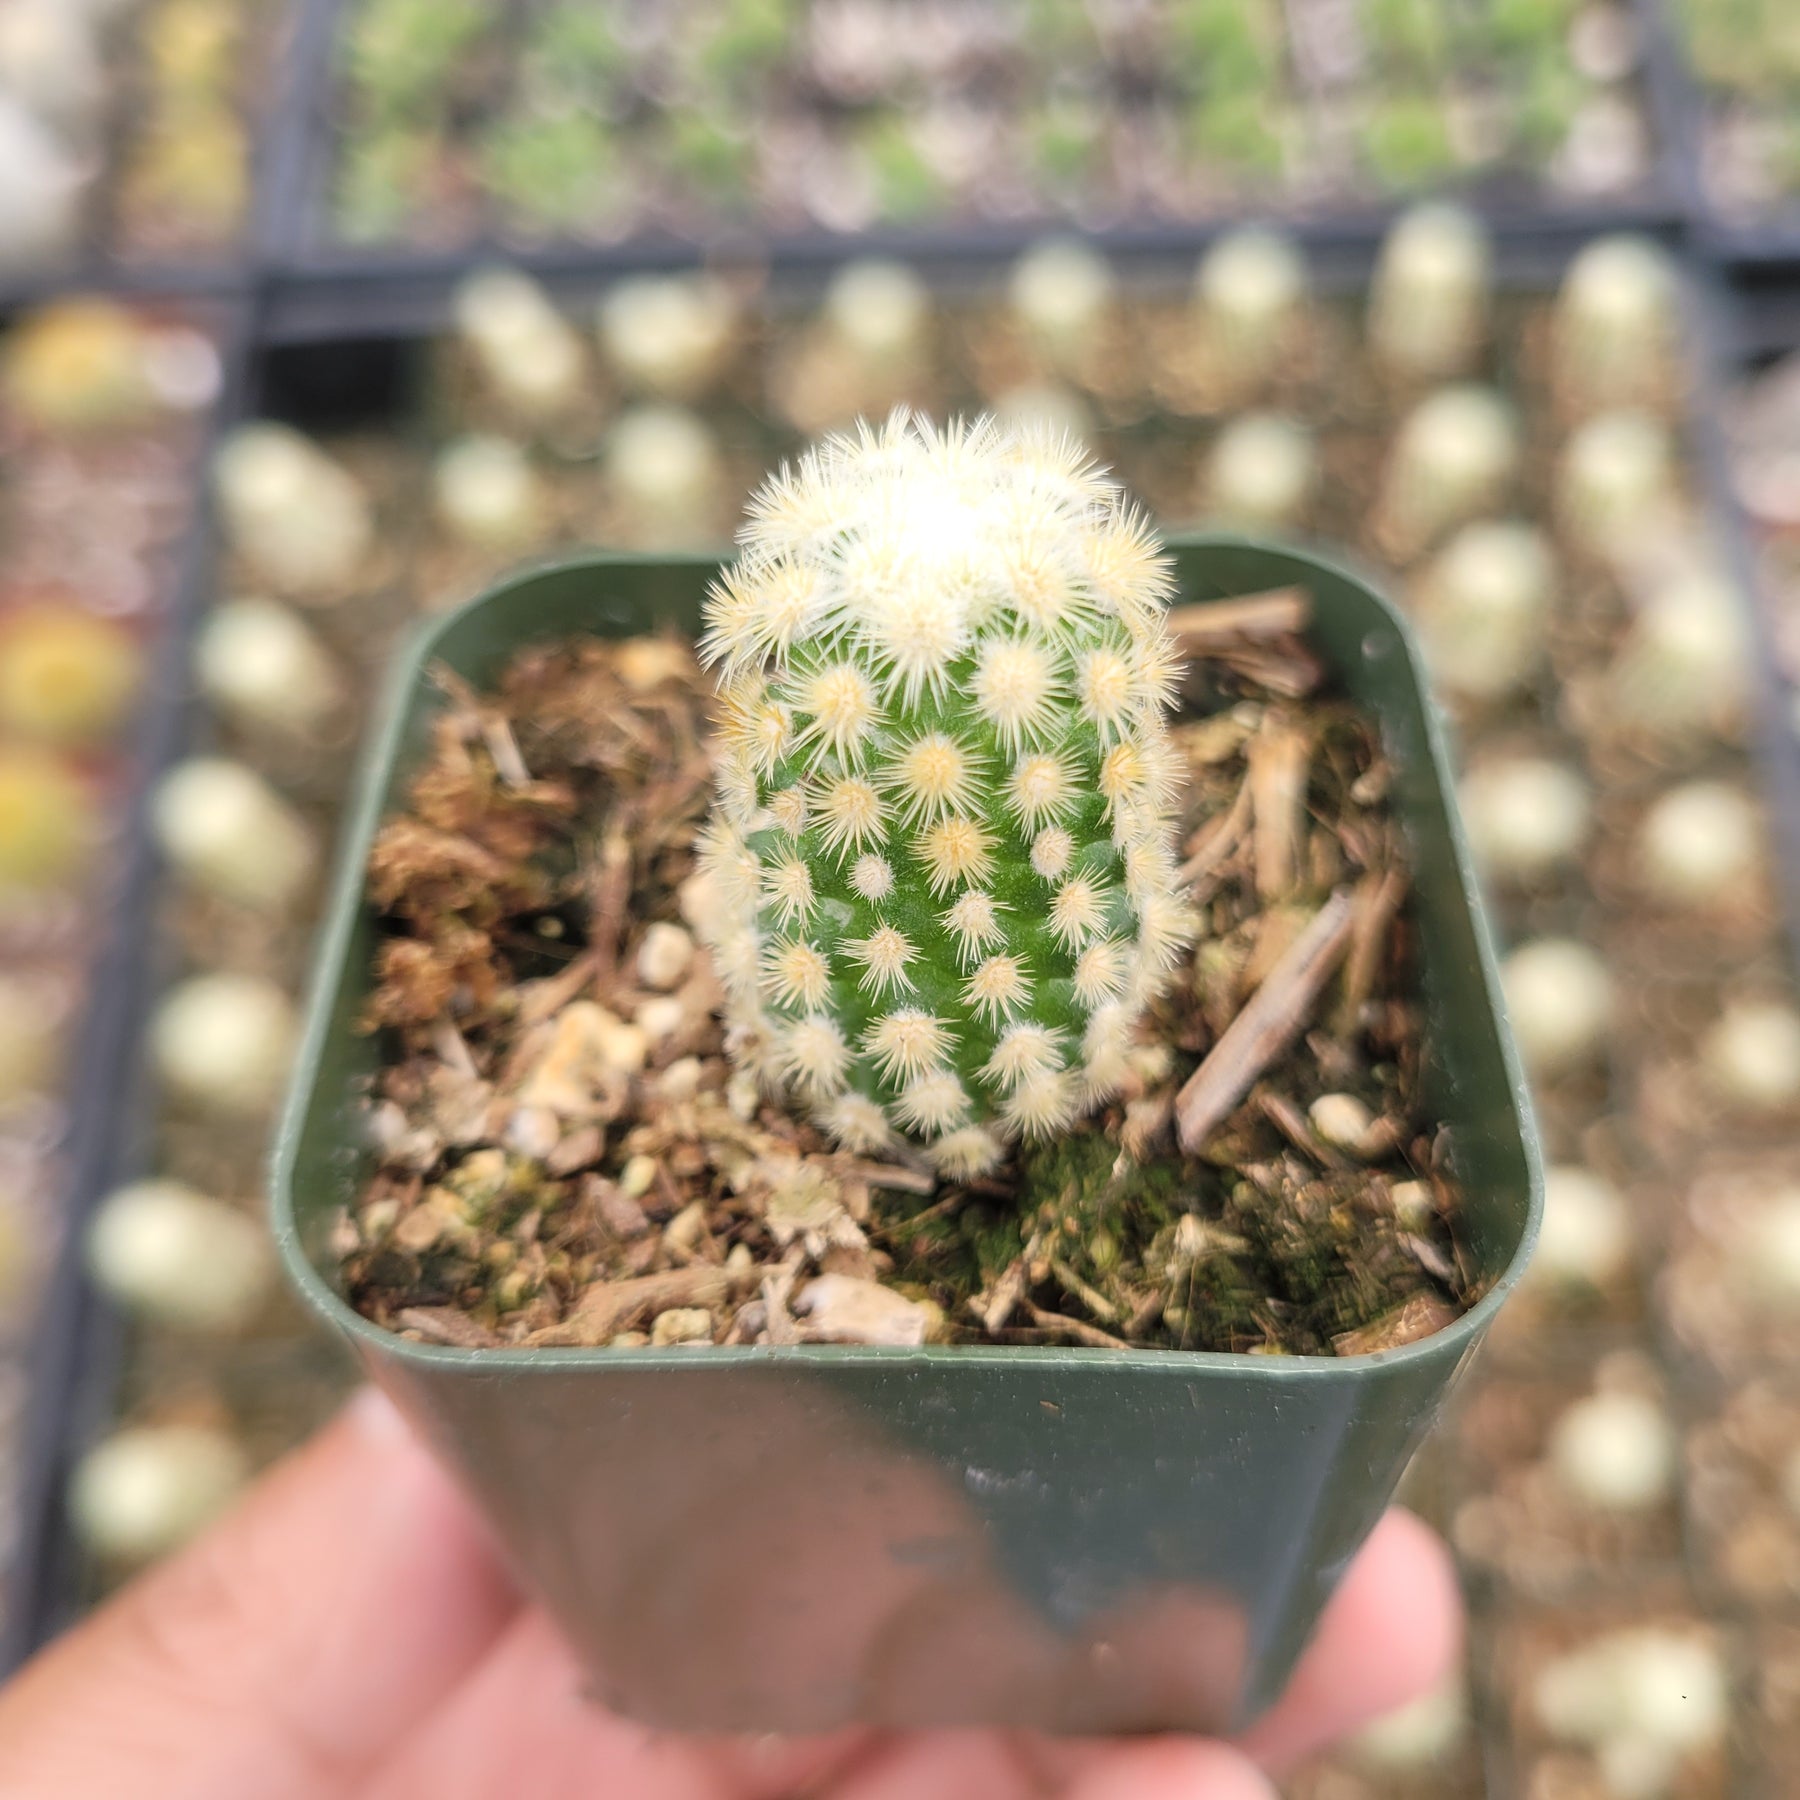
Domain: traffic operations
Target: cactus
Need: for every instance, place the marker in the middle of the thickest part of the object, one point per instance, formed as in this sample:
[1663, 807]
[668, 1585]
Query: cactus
[940, 874]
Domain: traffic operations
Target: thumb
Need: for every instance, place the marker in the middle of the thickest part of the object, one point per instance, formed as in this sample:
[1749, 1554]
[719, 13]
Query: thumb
[1171, 1769]
[279, 1654]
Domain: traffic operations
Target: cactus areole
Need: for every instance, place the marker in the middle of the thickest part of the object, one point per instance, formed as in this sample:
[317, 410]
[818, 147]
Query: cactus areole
[939, 877]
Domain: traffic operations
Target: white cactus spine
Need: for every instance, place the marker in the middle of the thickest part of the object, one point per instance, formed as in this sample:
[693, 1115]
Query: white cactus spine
[941, 855]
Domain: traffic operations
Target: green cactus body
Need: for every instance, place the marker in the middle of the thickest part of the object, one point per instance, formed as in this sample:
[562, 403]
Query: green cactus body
[940, 883]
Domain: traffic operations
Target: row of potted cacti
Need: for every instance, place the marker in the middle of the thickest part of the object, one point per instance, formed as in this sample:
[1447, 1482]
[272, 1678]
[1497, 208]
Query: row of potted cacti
[103, 409]
[455, 123]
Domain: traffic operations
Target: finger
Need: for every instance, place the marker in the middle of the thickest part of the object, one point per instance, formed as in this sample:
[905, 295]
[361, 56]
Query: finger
[278, 1655]
[943, 1765]
[522, 1724]
[1171, 1769]
[981, 1765]
[1392, 1631]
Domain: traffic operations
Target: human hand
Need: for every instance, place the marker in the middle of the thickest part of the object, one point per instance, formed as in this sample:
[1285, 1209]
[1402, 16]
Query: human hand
[349, 1635]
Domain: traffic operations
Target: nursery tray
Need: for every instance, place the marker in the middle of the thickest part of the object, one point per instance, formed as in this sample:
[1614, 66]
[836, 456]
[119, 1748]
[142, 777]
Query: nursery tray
[302, 244]
[103, 257]
[69, 1377]
[1753, 240]
[352, 343]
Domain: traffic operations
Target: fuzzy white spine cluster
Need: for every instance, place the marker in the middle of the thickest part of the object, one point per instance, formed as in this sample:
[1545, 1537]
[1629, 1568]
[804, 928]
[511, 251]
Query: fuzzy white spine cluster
[941, 868]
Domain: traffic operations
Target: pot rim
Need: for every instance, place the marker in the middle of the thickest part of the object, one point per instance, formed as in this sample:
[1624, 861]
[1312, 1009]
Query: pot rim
[344, 900]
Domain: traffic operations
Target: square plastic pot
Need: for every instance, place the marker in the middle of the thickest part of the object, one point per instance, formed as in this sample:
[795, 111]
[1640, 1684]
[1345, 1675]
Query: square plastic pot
[790, 1539]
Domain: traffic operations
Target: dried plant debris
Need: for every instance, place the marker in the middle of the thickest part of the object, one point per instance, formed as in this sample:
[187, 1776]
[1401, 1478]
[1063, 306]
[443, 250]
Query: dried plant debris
[565, 1155]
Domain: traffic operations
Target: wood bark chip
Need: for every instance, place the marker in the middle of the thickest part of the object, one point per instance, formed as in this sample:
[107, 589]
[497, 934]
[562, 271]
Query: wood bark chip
[1273, 613]
[1076, 1330]
[1259, 638]
[841, 1309]
[541, 1000]
[1010, 1288]
[446, 1325]
[1222, 836]
[888, 1175]
[777, 1292]
[609, 1307]
[453, 1049]
[611, 900]
[1280, 758]
[1291, 1122]
[1270, 1021]
[1146, 1312]
[1070, 1281]
[503, 747]
[1378, 901]
[1419, 1317]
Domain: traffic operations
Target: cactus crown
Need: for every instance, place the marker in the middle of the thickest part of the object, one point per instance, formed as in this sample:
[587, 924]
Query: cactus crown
[940, 864]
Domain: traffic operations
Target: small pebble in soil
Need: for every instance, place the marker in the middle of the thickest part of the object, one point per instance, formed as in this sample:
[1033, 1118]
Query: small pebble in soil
[224, 1042]
[682, 1325]
[226, 831]
[1341, 1120]
[147, 1489]
[659, 1017]
[1614, 1451]
[1527, 817]
[1429, 297]
[1751, 1056]
[171, 1254]
[665, 956]
[1561, 1001]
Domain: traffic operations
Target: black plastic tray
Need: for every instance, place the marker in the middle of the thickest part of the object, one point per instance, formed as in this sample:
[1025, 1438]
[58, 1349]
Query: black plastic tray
[1767, 241]
[299, 333]
[302, 250]
[229, 268]
[73, 1342]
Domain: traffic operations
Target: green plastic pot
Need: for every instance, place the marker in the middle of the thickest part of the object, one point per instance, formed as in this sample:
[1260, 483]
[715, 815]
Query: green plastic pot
[795, 1538]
